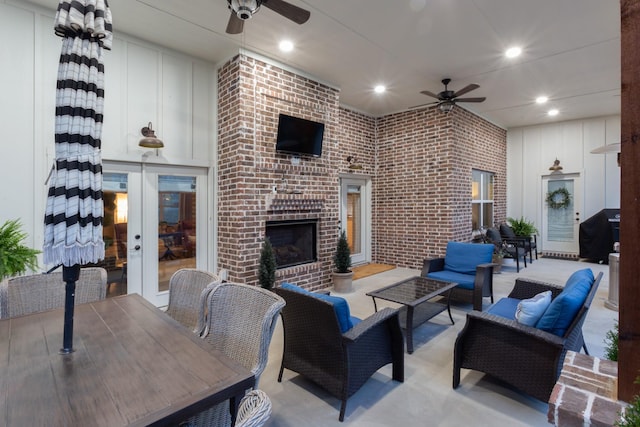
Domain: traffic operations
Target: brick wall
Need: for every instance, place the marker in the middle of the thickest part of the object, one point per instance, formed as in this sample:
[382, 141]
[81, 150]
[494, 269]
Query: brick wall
[586, 393]
[423, 182]
[419, 163]
[251, 95]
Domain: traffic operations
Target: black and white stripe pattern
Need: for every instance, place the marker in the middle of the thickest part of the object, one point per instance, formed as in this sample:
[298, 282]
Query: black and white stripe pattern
[74, 211]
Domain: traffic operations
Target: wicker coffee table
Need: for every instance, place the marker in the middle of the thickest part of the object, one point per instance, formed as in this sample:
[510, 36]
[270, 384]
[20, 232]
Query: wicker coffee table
[414, 293]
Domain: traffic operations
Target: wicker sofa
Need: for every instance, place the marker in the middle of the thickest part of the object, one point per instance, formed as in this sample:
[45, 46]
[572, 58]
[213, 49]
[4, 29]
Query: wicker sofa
[526, 357]
[340, 362]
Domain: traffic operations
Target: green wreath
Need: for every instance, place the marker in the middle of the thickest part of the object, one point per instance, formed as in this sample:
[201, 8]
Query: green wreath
[559, 199]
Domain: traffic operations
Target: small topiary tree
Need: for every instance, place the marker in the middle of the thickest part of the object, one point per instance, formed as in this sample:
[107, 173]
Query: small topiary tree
[267, 267]
[342, 257]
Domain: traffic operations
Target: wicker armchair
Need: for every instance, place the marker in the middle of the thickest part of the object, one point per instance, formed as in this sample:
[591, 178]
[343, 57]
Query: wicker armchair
[472, 286]
[341, 363]
[240, 324]
[525, 357]
[188, 291]
[40, 292]
[254, 410]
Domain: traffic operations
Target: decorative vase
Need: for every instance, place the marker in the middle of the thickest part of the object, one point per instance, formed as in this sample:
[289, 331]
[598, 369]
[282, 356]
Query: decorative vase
[343, 282]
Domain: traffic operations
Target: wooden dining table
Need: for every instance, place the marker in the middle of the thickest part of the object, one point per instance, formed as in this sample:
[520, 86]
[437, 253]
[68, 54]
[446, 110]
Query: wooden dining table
[132, 365]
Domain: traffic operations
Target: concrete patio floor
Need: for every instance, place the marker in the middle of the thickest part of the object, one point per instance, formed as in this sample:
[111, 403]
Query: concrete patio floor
[426, 397]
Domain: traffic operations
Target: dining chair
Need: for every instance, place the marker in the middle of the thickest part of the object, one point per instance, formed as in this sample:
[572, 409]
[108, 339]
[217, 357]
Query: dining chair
[188, 290]
[40, 292]
[240, 324]
[254, 410]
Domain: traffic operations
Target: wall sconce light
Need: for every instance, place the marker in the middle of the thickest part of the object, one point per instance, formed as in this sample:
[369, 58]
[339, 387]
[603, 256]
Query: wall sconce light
[353, 163]
[555, 166]
[446, 106]
[149, 140]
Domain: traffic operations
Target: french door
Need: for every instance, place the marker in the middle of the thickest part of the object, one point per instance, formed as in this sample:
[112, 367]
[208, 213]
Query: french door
[561, 215]
[355, 217]
[155, 223]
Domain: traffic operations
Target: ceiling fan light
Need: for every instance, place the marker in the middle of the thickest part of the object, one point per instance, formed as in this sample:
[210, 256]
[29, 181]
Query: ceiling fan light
[446, 106]
[244, 9]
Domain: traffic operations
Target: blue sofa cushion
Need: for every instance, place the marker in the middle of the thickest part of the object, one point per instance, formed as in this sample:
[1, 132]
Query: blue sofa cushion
[562, 310]
[464, 257]
[463, 280]
[530, 310]
[505, 307]
[340, 305]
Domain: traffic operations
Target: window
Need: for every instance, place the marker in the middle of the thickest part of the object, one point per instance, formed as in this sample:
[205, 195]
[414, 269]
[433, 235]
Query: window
[482, 199]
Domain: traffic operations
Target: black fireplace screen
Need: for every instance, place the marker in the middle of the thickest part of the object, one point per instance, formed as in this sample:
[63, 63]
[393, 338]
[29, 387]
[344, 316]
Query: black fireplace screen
[294, 242]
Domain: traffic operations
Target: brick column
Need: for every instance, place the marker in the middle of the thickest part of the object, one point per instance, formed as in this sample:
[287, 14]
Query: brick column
[586, 393]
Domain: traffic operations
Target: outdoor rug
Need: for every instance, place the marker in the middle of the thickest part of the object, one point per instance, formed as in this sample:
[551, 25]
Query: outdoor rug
[370, 269]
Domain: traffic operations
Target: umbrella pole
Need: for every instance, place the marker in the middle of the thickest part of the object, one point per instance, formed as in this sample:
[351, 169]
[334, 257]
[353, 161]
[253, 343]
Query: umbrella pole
[70, 275]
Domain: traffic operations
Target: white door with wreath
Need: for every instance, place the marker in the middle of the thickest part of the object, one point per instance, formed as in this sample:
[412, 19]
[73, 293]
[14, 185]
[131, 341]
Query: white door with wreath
[561, 212]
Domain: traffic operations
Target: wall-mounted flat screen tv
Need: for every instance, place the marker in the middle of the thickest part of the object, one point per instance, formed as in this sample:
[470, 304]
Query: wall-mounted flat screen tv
[299, 136]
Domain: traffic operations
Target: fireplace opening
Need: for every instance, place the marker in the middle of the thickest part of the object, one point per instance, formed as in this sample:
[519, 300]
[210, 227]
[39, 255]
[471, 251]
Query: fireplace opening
[294, 242]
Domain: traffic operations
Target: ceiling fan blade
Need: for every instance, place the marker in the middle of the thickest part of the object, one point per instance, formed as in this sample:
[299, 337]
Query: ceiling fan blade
[235, 24]
[466, 89]
[431, 94]
[470, 99]
[294, 13]
[423, 105]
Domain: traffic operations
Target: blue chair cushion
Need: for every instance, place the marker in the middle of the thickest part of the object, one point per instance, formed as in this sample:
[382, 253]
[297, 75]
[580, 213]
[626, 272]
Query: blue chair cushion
[463, 280]
[530, 310]
[464, 257]
[340, 305]
[505, 307]
[562, 310]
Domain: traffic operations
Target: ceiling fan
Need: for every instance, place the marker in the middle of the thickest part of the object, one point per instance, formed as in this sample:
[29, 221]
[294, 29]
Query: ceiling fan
[448, 98]
[241, 10]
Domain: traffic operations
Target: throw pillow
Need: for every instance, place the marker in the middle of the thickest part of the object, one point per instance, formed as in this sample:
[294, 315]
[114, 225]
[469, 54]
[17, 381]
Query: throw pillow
[530, 310]
[564, 307]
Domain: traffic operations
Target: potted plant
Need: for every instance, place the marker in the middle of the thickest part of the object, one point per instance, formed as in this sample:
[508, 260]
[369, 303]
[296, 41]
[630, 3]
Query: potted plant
[15, 257]
[267, 267]
[522, 227]
[342, 276]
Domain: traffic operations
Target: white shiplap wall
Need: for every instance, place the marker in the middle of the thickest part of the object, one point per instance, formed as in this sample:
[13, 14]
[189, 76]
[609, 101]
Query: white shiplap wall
[531, 150]
[143, 83]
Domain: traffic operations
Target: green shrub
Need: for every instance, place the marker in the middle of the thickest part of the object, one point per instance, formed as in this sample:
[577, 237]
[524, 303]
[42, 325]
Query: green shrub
[522, 226]
[631, 417]
[15, 257]
[611, 342]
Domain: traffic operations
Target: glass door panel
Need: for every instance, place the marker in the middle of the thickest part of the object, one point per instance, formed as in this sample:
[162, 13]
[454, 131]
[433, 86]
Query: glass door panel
[114, 231]
[176, 226]
[354, 217]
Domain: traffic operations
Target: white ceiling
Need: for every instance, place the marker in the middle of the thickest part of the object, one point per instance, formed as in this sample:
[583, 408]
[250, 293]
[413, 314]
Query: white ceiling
[571, 49]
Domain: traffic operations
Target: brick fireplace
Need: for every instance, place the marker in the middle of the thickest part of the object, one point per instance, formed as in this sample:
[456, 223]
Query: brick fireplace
[419, 162]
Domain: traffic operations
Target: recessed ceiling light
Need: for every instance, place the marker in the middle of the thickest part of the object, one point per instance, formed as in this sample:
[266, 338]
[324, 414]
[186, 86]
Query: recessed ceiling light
[553, 112]
[380, 89]
[541, 99]
[286, 45]
[513, 52]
